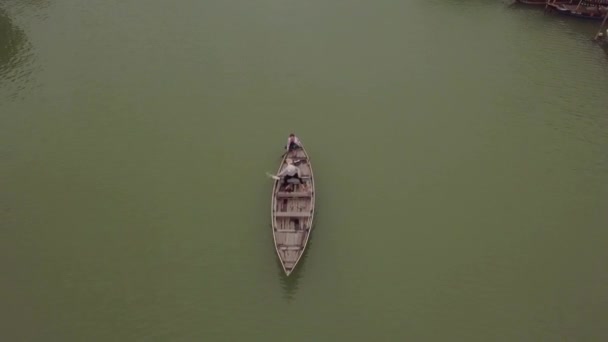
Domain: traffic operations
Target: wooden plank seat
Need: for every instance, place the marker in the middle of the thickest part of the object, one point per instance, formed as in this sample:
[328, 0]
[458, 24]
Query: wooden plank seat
[292, 230]
[292, 214]
[290, 248]
[284, 194]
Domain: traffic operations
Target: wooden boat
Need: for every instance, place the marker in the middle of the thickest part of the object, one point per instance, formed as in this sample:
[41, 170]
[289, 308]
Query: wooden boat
[532, 2]
[543, 2]
[292, 211]
[590, 9]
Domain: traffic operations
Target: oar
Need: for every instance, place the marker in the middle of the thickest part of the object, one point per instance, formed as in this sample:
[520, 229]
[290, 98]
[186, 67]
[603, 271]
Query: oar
[288, 150]
[272, 176]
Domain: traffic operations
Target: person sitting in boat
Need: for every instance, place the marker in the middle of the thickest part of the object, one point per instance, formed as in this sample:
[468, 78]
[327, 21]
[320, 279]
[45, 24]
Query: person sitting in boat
[290, 172]
[293, 143]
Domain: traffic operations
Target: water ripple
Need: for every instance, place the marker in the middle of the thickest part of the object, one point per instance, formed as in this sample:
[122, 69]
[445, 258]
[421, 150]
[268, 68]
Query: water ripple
[16, 57]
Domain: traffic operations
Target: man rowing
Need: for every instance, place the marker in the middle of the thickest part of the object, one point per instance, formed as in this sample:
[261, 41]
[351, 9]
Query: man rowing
[293, 143]
[290, 171]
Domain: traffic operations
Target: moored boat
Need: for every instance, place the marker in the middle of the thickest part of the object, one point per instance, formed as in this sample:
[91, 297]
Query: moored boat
[532, 2]
[590, 9]
[543, 2]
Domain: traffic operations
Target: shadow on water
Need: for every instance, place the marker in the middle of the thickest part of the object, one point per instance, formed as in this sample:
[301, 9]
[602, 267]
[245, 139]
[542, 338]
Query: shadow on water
[12, 43]
[15, 52]
[604, 45]
[580, 28]
[290, 284]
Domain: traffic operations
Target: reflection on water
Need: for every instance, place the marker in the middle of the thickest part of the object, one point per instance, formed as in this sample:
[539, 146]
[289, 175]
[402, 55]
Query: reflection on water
[14, 52]
[290, 284]
[604, 45]
[12, 40]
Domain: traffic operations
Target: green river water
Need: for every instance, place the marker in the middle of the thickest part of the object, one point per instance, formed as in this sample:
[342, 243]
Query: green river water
[459, 151]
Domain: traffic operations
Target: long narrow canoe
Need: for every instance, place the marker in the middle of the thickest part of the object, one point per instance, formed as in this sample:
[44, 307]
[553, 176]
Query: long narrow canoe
[292, 212]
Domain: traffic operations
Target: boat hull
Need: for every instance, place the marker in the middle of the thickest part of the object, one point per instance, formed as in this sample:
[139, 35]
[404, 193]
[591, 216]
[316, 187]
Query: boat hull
[292, 212]
[586, 12]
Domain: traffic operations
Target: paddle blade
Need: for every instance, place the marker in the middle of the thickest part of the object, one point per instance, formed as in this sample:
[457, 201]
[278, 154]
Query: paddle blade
[272, 176]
